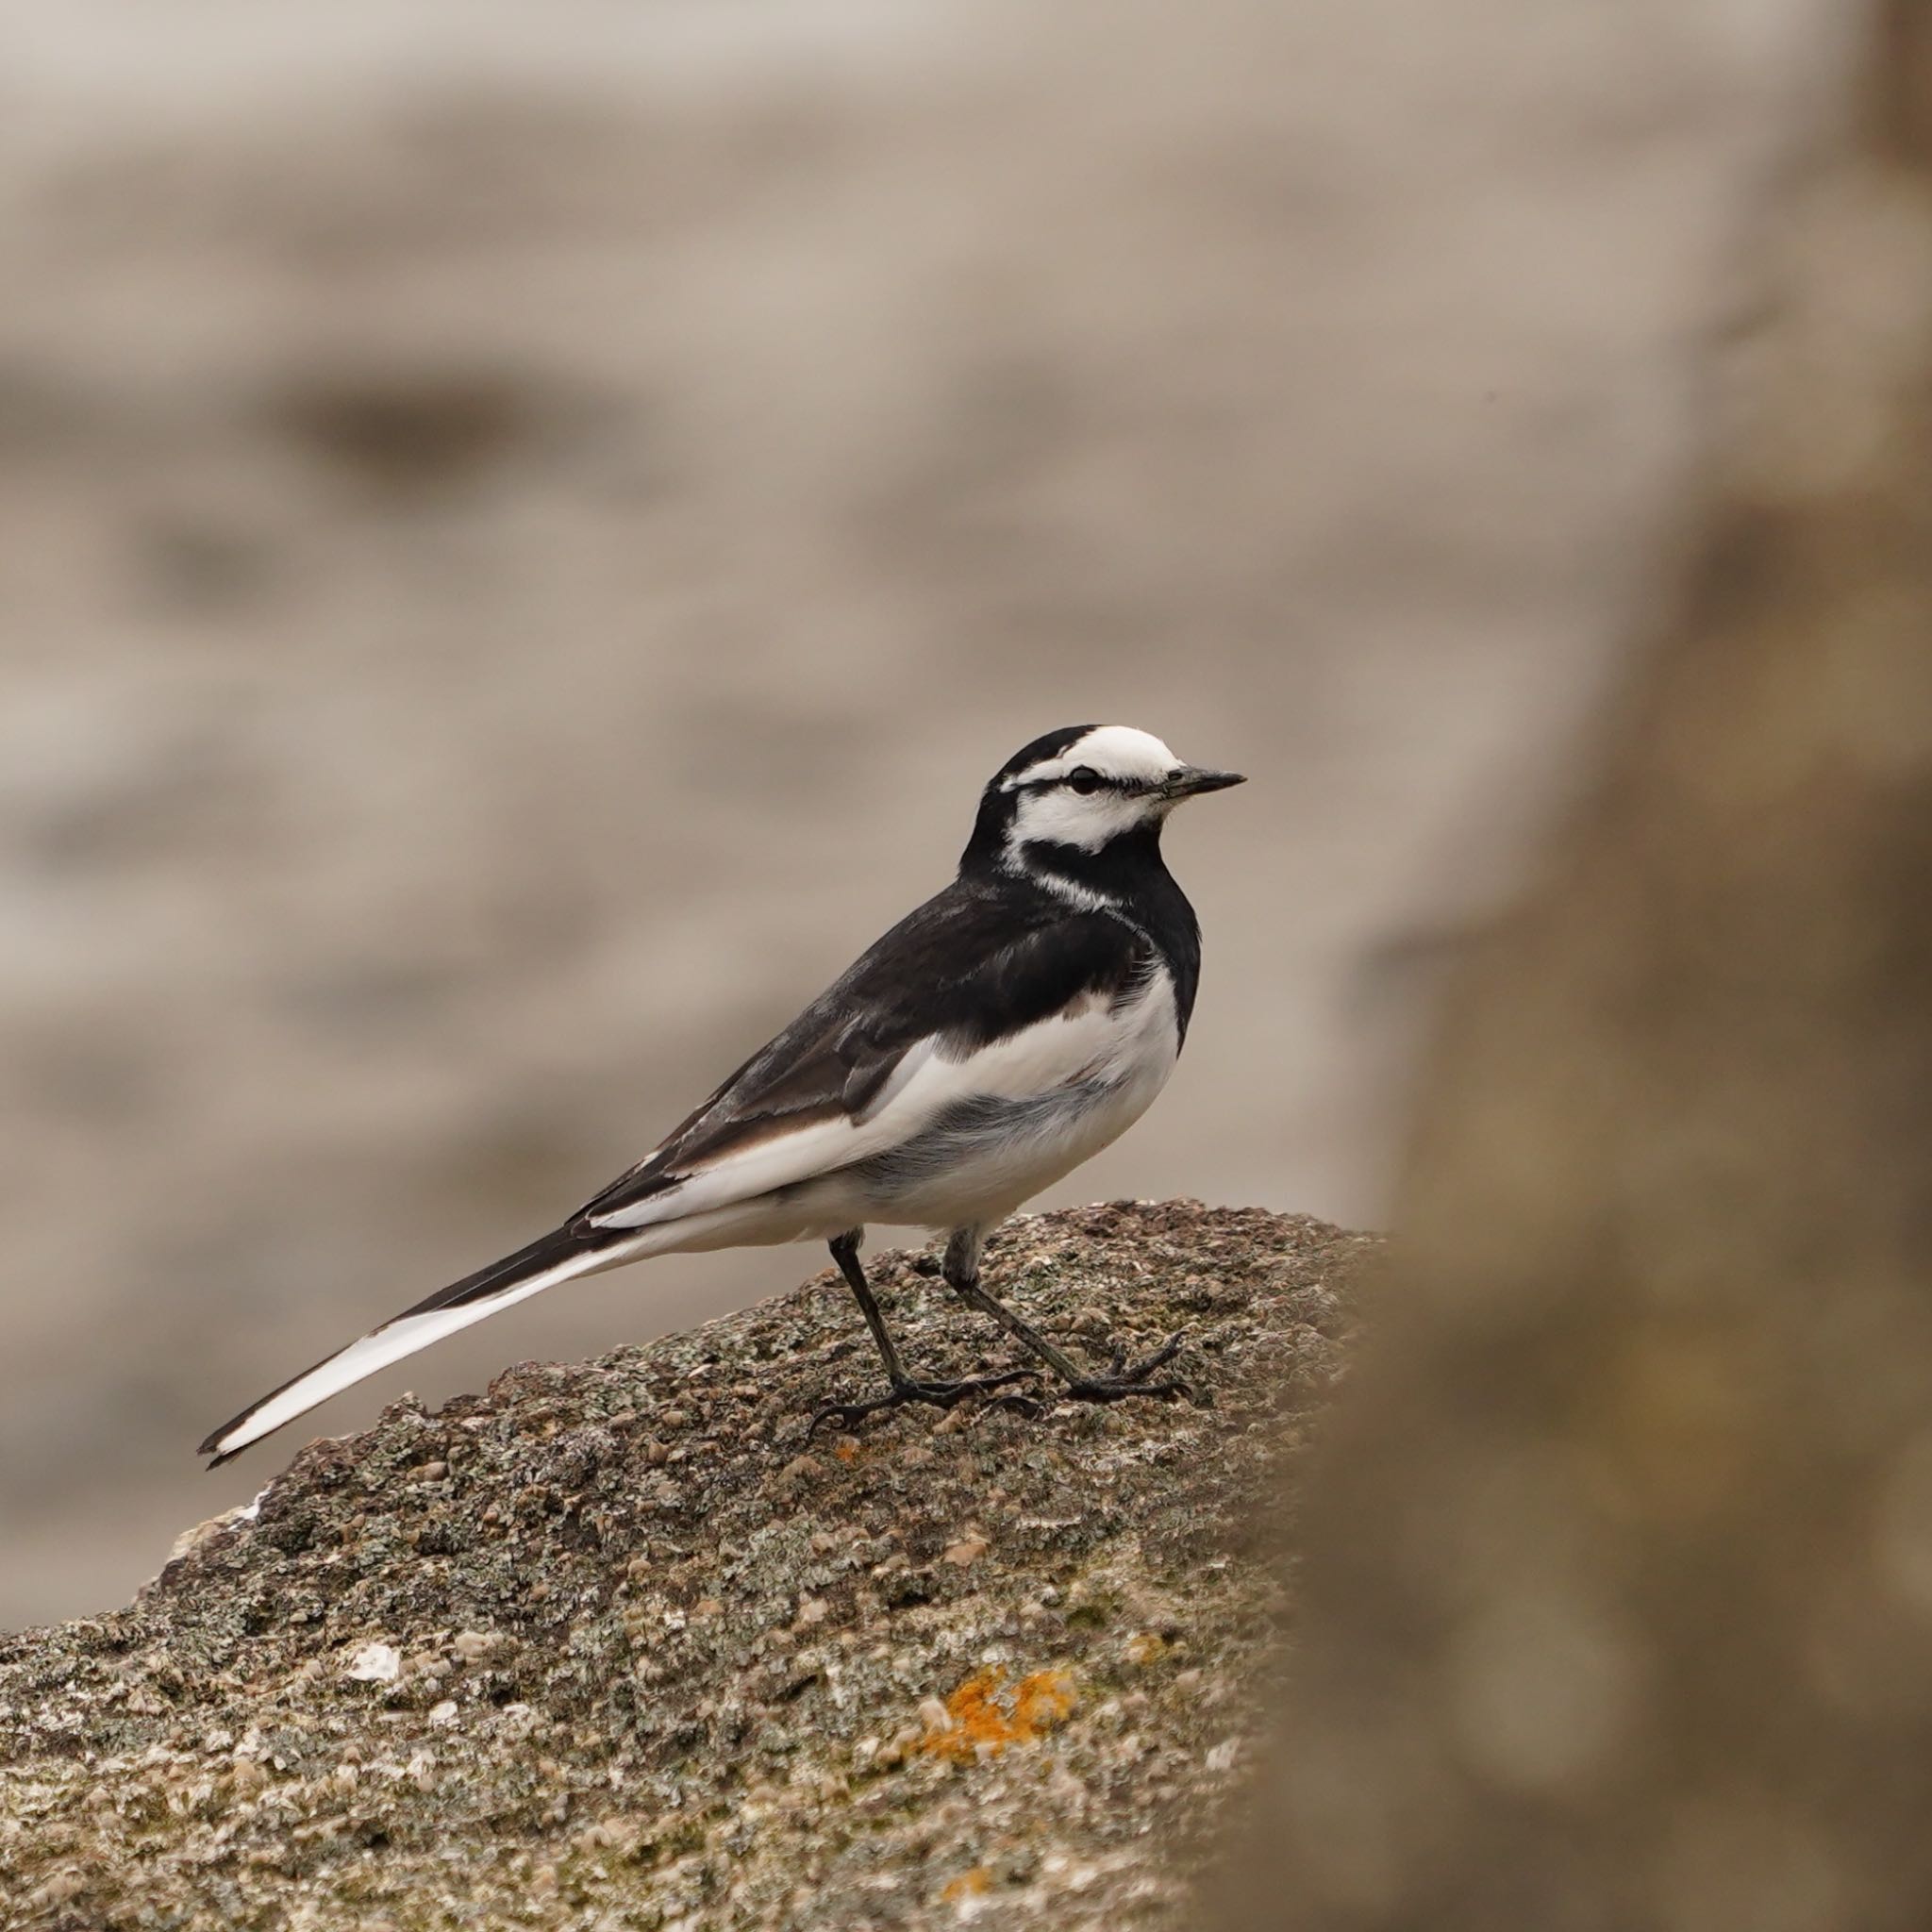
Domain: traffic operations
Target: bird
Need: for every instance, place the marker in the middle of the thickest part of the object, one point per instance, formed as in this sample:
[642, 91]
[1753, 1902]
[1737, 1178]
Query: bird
[1000, 1034]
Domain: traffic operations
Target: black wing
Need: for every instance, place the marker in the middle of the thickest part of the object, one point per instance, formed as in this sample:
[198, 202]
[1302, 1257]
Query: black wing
[975, 964]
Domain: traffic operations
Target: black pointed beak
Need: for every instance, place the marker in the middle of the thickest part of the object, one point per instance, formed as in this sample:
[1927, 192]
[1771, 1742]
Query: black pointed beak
[1191, 780]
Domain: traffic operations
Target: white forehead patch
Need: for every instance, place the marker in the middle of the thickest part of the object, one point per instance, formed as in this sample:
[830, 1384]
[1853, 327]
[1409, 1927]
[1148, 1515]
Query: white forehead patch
[1050, 814]
[1115, 751]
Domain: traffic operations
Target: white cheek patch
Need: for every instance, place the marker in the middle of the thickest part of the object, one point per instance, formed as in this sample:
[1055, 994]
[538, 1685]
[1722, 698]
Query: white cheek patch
[1059, 817]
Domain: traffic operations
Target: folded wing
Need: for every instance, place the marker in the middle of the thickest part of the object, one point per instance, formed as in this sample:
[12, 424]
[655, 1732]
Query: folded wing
[953, 1004]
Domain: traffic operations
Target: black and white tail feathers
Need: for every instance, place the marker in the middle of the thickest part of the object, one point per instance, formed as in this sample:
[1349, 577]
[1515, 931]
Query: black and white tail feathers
[563, 1255]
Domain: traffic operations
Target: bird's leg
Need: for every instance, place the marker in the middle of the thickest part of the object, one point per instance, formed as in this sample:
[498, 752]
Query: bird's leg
[845, 1252]
[962, 1271]
[905, 1388]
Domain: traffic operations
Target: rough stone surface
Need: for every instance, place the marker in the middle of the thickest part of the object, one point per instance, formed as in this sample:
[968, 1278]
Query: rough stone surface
[613, 1647]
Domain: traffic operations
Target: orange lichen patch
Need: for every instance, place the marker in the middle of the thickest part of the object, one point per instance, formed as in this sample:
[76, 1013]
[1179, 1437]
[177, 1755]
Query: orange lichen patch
[971, 1884]
[984, 1716]
[846, 1448]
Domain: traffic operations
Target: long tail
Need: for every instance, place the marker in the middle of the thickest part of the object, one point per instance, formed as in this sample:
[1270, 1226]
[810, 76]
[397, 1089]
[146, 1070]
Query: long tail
[557, 1256]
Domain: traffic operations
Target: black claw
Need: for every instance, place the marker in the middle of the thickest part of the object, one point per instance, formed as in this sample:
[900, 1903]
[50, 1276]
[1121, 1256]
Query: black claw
[1028, 1405]
[1134, 1380]
[937, 1394]
[1118, 1392]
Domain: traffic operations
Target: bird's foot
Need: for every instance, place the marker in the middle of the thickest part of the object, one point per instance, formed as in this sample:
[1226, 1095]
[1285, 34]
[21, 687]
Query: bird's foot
[937, 1394]
[1135, 1378]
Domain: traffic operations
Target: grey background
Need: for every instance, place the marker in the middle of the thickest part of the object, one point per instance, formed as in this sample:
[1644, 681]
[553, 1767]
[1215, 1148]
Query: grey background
[520, 538]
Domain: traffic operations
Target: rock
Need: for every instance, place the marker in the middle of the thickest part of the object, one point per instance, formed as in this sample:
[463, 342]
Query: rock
[375, 1663]
[913, 1676]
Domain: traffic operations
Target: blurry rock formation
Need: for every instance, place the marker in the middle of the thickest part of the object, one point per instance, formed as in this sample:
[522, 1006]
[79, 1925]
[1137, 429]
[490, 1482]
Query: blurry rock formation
[1618, 1580]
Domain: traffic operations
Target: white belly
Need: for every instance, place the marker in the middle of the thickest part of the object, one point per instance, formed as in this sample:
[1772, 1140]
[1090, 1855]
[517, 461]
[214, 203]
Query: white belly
[986, 1155]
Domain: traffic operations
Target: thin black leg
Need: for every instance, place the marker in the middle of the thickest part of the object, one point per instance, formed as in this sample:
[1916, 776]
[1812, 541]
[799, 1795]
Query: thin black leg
[905, 1388]
[845, 1252]
[962, 1271]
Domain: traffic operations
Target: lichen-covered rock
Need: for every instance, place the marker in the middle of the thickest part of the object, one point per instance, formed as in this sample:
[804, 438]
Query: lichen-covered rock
[616, 1646]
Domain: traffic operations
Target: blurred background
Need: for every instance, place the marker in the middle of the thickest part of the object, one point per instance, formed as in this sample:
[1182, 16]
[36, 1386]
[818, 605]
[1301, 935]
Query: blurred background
[523, 532]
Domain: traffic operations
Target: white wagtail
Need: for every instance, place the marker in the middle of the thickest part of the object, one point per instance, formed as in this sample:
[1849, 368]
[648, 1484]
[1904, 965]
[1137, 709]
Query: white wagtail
[992, 1040]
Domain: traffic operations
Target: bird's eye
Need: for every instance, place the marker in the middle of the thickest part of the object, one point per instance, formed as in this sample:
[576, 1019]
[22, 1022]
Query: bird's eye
[1083, 778]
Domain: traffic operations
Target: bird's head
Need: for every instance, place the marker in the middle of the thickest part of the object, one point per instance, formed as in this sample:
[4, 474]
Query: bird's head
[1083, 788]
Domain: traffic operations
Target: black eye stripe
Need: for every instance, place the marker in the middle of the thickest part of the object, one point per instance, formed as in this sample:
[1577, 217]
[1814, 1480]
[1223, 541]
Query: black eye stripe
[1096, 781]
